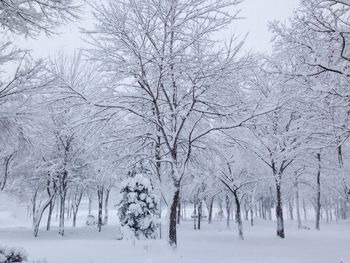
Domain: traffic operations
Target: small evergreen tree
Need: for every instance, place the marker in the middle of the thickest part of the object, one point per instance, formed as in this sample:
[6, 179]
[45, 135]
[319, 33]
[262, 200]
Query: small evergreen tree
[138, 207]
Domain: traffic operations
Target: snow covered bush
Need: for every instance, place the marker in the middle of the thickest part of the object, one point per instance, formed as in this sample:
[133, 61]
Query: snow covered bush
[9, 255]
[138, 207]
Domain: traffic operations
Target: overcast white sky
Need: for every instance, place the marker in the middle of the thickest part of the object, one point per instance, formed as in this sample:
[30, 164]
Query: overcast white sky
[257, 13]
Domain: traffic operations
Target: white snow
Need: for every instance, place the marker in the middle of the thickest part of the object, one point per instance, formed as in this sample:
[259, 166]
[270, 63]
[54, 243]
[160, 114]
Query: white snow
[213, 244]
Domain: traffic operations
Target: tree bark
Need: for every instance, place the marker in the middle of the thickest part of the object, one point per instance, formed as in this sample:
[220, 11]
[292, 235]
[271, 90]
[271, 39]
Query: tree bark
[228, 210]
[75, 206]
[6, 172]
[38, 213]
[279, 212]
[291, 212]
[199, 214]
[210, 213]
[90, 205]
[318, 197]
[49, 215]
[172, 219]
[100, 206]
[297, 204]
[61, 215]
[251, 211]
[178, 211]
[68, 207]
[221, 210]
[238, 216]
[305, 210]
[194, 212]
[106, 206]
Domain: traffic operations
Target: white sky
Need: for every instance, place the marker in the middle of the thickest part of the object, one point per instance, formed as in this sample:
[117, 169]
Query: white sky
[257, 14]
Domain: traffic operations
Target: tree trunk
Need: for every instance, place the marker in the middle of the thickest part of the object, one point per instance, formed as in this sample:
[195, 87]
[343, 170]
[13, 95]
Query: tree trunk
[305, 210]
[68, 207]
[269, 213]
[228, 210]
[260, 208]
[330, 213]
[38, 214]
[238, 216]
[210, 213]
[61, 215]
[291, 212]
[221, 210]
[251, 211]
[34, 207]
[6, 172]
[49, 216]
[194, 213]
[172, 219]
[160, 218]
[279, 212]
[90, 205]
[184, 211]
[318, 197]
[75, 206]
[297, 204]
[199, 214]
[246, 214]
[100, 206]
[178, 211]
[106, 206]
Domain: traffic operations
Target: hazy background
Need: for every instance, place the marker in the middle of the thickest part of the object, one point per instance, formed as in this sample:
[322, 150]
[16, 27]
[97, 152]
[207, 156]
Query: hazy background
[256, 13]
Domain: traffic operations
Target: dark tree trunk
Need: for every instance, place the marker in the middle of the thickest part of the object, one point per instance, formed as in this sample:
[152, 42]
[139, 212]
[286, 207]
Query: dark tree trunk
[100, 207]
[199, 214]
[279, 212]
[90, 205]
[238, 216]
[194, 213]
[251, 211]
[210, 213]
[49, 215]
[75, 206]
[228, 210]
[178, 211]
[318, 197]
[68, 207]
[38, 217]
[172, 219]
[106, 206]
[6, 172]
[61, 215]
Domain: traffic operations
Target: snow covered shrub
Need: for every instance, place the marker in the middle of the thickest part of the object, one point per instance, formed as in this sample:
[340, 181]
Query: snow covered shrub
[9, 255]
[90, 220]
[138, 207]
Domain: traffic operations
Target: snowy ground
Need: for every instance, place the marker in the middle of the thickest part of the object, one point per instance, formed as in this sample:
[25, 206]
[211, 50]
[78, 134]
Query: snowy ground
[214, 243]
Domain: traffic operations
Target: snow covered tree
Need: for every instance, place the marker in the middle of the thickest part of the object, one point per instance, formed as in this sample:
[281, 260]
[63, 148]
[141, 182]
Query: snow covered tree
[138, 207]
[29, 18]
[169, 71]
